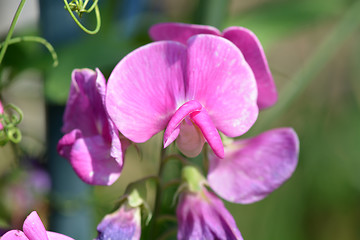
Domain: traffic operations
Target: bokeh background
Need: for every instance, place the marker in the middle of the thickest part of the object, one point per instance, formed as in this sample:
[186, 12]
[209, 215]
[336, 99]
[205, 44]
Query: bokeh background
[313, 49]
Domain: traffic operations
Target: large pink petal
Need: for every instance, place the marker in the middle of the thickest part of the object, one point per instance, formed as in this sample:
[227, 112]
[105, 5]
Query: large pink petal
[221, 80]
[255, 167]
[57, 236]
[14, 235]
[179, 32]
[33, 227]
[254, 55]
[90, 158]
[145, 88]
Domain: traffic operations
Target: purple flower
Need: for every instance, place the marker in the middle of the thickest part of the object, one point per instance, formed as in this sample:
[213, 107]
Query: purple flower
[91, 142]
[243, 38]
[192, 90]
[123, 224]
[33, 229]
[253, 168]
[203, 216]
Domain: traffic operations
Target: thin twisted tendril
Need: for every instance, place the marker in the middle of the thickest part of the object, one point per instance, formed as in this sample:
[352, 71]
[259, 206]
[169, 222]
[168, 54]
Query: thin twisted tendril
[9, 130]
[79, 7]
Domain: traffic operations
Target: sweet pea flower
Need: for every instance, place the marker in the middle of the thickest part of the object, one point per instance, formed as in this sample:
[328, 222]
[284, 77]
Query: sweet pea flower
[192, 90]
[254, 167]
[91, 142]
[243, 38]
[125, 223]
[33, 229]
[201, 214]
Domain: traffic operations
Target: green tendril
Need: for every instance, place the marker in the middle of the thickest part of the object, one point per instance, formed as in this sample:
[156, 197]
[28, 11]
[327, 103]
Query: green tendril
[11, 30]
[40, 40]
[8, 41]
[14, 134]
[14, 119]
[80, 7]
[9, 131]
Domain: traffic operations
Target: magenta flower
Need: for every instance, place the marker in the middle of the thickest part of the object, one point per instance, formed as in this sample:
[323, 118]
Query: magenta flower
[33, 229]
[125, 223]
[192, 90]
[243, 38]
[253, 168]
[1, 112]
[91, 142]
[203, 216]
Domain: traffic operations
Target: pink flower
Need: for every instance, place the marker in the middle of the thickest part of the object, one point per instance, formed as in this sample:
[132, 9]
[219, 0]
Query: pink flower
[243, 38]
[125, 223]
[33, 229]
[253, 168]
[192, 90]
[1, 112]
[202, 215]
[91, 142]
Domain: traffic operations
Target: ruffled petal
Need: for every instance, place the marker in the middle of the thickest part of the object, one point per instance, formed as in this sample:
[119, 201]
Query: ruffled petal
[57, 236]
[14, 235]
[80, 112]
[254, 55]
[203, 216]
[144, 89]
[90, 158]
[179, 32]
[254, 167]
[33, 227]
[221, 80]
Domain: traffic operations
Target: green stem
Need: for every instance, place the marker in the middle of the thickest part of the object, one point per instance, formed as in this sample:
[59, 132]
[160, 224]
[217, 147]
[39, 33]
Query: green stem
[11, 30]
[313, 66]
[181, 159]
[40, 40]
[98, 19]
[158, 194]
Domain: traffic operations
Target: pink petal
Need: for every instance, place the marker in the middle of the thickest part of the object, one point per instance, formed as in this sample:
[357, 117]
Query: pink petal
[203, 216]
[90, 158]
[203, 121]
[144, 89]
[57, 236]
[172, 130]
[254, 55]
[80, 110]
[33, 227]
[125, 223]
[14, 235]
[191, 140]
[1, 112]
[221, 80]
[253, 168]
[179, 32]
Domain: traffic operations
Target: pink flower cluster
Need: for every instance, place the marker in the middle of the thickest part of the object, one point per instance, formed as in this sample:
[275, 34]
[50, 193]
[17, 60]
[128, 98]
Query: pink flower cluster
[193, 82]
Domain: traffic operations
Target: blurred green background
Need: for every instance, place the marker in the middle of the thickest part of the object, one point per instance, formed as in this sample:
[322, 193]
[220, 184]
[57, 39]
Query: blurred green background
[313, 49]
